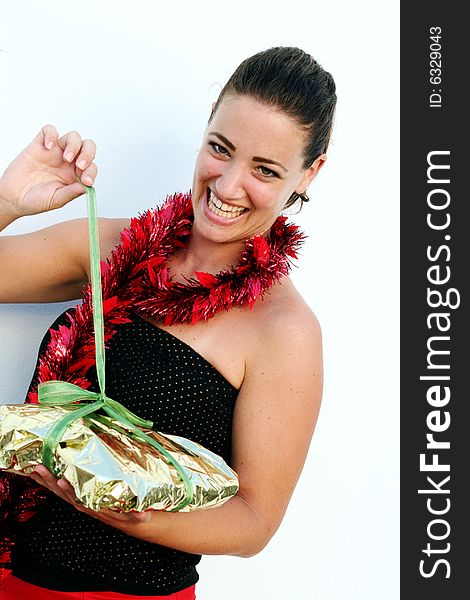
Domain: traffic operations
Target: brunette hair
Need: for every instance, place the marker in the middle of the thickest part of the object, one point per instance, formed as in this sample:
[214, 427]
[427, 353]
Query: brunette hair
[292, 81]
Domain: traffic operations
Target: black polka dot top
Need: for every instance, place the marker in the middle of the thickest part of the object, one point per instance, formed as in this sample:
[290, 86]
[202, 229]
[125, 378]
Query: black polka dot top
[162, 379]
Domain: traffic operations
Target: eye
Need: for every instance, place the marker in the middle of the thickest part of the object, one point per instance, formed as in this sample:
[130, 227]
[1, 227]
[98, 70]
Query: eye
[218, 149]
[267, 172]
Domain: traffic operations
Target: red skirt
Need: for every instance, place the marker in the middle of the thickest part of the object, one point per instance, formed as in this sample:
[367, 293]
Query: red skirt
[17, 589]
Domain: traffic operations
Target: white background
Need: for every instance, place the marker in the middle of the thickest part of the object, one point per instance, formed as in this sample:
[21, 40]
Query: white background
[139, 79]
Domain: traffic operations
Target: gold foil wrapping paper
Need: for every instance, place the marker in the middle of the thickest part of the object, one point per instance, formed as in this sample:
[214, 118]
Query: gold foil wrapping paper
[108, 467]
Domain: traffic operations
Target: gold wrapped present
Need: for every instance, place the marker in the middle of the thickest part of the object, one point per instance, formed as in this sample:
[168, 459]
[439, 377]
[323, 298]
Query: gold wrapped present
[109, 466]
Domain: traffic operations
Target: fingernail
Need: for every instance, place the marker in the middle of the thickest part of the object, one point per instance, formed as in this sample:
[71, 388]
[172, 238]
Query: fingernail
[88, 180]
[68, 156]
[81, 164]
[50, 145]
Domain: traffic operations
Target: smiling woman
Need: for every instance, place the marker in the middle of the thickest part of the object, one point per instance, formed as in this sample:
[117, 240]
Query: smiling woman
[235, 175]
[215, 344]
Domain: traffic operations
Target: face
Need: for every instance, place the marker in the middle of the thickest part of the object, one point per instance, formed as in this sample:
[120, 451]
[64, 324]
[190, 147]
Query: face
[248, 166]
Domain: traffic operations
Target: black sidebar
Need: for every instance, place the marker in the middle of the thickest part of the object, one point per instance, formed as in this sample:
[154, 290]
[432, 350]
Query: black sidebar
[435, 273]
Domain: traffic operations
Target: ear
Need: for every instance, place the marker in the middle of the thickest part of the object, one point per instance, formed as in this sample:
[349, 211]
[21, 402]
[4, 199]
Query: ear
[310, 174]
[212, 111]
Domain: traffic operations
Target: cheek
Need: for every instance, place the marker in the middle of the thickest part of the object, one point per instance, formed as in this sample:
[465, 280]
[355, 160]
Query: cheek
[266, 197]
[207, 167]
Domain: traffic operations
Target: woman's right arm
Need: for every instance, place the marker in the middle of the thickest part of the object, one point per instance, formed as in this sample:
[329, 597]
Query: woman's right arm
[49, 265]
[52, 264]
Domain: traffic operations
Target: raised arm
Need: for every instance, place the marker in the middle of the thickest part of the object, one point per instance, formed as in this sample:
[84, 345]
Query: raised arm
[52, 264]
[48, 265]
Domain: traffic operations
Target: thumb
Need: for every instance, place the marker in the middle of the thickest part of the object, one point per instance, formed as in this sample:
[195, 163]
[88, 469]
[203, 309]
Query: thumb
[65, 194]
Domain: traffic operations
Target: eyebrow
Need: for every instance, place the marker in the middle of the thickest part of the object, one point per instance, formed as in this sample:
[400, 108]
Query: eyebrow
[255, 158]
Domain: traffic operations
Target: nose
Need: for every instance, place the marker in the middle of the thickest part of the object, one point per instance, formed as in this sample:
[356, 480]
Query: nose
[229, 183]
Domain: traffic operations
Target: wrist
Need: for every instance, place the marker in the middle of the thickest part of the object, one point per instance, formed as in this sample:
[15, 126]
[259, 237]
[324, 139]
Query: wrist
[7, 215]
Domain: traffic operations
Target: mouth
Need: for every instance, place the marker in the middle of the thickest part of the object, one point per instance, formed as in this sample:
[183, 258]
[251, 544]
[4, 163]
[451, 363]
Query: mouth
[221, 209]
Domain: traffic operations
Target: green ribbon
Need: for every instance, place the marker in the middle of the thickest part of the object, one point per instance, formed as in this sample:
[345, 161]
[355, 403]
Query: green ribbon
[80, 403]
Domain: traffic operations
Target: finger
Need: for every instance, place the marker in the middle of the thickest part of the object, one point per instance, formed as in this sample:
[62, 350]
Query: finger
[50, 136]
[89, 175]
[38, 476]
[70, 143]
[67, 488]
[122, 517]
[87, 154]
[39, 480]
[43, 472]
[60, 487]
[67, 491]
[48, 479]
[66, 193]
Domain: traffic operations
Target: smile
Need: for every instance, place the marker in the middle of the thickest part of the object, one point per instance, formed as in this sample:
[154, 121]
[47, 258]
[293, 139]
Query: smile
[221, 209]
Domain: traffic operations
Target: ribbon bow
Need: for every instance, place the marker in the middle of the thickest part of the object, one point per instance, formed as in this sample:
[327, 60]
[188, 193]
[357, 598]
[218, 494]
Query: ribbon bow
[83, 403]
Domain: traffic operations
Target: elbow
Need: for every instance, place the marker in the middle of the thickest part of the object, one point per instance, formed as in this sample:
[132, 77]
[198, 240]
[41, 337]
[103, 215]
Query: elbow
[260, 536]
[249, 554]
[253, 549]
[259, 527]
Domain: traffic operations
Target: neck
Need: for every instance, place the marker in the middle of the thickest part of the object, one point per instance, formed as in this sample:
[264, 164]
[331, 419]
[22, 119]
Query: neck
[206, 255]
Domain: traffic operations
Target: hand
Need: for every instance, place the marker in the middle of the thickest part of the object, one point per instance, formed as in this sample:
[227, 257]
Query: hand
[61, 487]
[44, 175]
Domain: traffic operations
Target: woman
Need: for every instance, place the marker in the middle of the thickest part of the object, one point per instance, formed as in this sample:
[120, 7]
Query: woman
[264, 144]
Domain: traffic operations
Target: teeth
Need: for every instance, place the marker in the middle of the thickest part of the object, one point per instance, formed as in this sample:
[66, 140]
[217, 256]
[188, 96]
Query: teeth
[223, 210]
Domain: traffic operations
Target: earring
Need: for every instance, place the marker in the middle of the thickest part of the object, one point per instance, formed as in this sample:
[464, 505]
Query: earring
[293, 199]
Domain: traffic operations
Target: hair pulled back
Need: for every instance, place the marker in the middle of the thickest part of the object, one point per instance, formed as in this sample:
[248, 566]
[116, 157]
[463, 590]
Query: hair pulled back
[290, 80]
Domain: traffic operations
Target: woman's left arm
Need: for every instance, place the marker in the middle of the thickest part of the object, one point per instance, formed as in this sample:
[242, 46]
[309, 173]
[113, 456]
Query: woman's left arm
[274, 419]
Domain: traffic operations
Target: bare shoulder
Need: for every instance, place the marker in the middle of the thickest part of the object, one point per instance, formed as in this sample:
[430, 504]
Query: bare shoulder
[285, 318]
[284, 343]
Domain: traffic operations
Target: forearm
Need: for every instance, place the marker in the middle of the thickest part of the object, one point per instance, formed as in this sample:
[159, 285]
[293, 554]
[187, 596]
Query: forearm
[233, 528]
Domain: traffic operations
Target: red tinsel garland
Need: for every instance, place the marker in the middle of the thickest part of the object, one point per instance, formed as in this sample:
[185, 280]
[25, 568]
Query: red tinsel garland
[136, 278]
